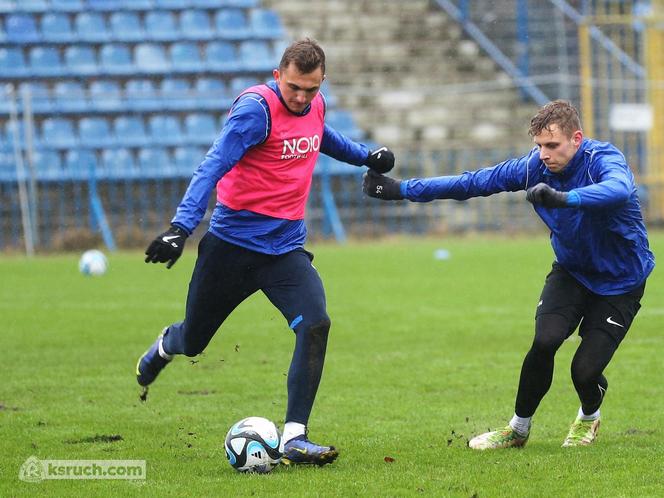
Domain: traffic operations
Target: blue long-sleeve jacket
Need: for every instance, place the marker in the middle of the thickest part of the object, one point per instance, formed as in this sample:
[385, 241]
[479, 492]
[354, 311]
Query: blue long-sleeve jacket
[600, 239]
[248, 125]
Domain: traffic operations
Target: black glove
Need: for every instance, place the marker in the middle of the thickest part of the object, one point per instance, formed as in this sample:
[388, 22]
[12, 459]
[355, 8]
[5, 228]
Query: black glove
[381, 160]
[546, 196]
[167, 247]
[381, 187]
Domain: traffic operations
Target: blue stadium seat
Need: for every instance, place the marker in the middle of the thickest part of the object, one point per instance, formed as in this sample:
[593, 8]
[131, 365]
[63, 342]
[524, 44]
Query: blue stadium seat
[126, 26]
[58, 133]
[343, 122]
[266, 23]
[243, 4]
[118, 163]
[48, 164]
[67, 5]
[106, 96]
[3, 35]
[195, 25]
[115, 58]
[151, 58]
[129, 131]
[161, 25]
[7, 6]
[231, 24]
[200, 128]
[21, 28]
[70, 96]
[221, 56]
[172, 4]
[165, 130]
[206, 4]
[12, 62]
[78, 163]
[257, 55]
[7, 166]
[212, 93]
[80, 60]
[33, 5]
[103, 5]
[240, 84]
[45, 61]
[142, 96]
[185, 57]
[176, 94]
[136, 5]
[56, 27]
[154, 162]
[95, 132]
[91, 27]
[40, 96]
[187, 159]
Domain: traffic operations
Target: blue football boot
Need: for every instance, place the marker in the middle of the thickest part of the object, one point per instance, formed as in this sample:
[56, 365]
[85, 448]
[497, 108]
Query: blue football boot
[150, 364]
[300, 450]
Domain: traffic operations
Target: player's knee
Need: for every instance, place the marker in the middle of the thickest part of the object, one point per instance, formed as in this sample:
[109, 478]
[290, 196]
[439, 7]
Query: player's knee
[549, 336]
[583, 375]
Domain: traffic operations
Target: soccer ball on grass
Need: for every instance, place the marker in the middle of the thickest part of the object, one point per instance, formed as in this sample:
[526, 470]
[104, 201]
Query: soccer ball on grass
[252, 445]
[93, 262]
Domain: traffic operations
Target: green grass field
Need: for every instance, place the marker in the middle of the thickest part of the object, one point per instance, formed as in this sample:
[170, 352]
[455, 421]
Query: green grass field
[423, 354]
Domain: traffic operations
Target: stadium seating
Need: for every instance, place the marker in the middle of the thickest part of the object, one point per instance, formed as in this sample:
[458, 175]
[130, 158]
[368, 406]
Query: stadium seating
[56, 27]
[161, 25]
[185, 57]
[12, 62]
[21, 28]
[195, 25]
[42, 103]
[115, 59]
[48, 164]
[105, 96]
[142, 95]
[150, 58]
[117, 163]
[165, 130]
[67, 5]
[220, 56]
[135, 88]
[70, 97]
[91, 27]
[45, 61]
[130, 131]
[81, 60]
[265, 24]
[126, 27]
[231, 24]
[58, 133]
[95, 132]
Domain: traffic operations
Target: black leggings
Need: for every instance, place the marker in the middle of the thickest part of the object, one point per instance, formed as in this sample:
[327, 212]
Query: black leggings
[603, 322]
[590, 360]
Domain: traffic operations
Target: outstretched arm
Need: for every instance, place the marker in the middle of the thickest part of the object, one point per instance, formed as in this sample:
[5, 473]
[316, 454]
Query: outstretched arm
[342, 148]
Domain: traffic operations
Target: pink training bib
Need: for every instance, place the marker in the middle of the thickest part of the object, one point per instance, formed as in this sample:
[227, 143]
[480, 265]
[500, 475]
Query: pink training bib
[274, 178]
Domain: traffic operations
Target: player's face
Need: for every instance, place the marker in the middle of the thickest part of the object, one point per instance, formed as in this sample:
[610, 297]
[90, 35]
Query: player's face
[556, 148]
[298, 89]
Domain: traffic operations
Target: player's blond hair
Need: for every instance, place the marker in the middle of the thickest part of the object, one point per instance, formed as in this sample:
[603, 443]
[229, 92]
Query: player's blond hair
[559, 112]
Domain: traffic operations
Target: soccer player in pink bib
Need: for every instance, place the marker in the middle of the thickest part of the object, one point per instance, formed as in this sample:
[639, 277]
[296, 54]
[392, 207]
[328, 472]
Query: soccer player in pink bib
[262, 165]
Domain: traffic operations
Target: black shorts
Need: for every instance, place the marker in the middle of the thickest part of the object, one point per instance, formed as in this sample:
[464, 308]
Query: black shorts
[564, 295]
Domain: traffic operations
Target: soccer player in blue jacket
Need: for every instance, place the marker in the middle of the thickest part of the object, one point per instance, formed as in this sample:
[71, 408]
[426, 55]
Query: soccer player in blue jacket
[262, 165]
[584, 192]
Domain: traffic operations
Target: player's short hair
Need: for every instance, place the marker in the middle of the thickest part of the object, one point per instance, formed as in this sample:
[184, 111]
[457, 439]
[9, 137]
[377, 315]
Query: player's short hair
[306, 54]
[559, 112]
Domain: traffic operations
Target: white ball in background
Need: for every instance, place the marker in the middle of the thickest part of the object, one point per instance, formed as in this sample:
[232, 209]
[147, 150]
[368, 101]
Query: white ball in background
[93, 262]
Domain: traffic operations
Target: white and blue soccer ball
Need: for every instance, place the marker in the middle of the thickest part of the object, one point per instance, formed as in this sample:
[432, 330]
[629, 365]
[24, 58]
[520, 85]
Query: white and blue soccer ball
[252, 445]
[93, 262]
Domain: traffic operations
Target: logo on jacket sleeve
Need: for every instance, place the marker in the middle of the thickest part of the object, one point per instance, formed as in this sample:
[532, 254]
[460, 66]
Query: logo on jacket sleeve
[298, 148]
